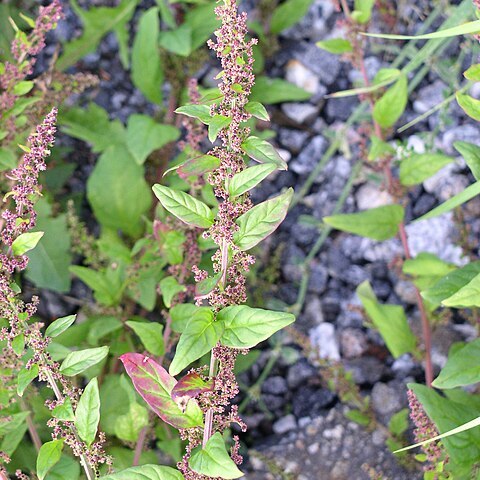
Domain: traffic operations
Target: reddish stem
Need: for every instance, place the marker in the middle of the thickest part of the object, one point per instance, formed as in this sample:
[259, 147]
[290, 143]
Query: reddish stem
[139, 446]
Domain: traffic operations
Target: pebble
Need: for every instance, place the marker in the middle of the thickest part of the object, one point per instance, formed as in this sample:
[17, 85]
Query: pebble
[300, 373]
[429, 96]
[323, 338]
[370, 196]
[300, 112]
[275, 385]
[385, 399]
[285, 424]
[353, 342]
[301, 76]
[310, 155]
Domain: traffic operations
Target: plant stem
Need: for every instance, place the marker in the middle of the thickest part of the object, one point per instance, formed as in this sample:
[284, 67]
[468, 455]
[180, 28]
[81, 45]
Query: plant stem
[207, 432]
[32, 430]
[139, 445]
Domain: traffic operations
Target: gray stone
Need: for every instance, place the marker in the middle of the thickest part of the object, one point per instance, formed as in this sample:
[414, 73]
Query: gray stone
[365, 370]
[311, 401]
[301, 76]
[465, 133]
[324, 340]
[299, 374]
[406, 291]
[429, 96]
[322, 63]
[275, 385]
[313, 310]
[353, 342]
[385, 400]
[372, 66]
[318, 279]
[300, 112]
[370, 196]
[310, 156]
[294, 140]
[341, 108]
[285, 424]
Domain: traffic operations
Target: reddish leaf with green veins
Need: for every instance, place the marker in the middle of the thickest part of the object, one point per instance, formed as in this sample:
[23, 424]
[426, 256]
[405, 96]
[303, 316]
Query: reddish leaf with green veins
[155, 386]
[188, 387]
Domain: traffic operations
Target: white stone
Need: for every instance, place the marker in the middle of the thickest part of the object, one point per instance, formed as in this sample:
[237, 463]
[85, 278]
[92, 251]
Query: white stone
[323, 338]
[370, 196]
[298, 74]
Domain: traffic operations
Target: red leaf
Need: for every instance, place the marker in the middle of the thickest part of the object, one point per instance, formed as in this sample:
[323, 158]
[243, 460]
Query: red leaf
[188, 387]
[155, 385]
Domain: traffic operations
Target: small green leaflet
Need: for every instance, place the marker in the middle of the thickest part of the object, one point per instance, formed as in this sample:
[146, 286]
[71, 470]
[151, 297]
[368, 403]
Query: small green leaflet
[129, 425]
[249, 178]
[362, 10]
[390, 320]
[462, 368]
[150, 333]
[262, 220]
[64, 411]
[184, 206]
[245, 327]
[22, 88]
[287, 14]
[169, 288]
[200, 112]
[147, 71]
[471, 154]
[470, 192]
[389, 108]
[257, 110]
[418, 167]
[25, 242]
[181, 314]
[200, 336]
[216, 124]
[470, 105]
[466, 296]
[465, 29]
[59, 326]
[78, 361]
[263, 152]
[276, 90]
[472, 72]
[337, 46]
[48, 455]
[451, 283]
[87, 414]
[379, 223]
[213, 460]
[146, 472]
[25, 378]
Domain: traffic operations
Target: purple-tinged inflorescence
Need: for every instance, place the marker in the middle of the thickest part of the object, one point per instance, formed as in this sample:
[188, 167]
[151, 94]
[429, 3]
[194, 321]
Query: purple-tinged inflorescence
[236, 56]
[424, 430]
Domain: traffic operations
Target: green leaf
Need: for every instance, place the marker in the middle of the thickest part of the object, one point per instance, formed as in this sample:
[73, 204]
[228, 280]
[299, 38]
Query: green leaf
[263, 152]
[59, 326]
[472, 73]
[92, 125]
[25, 378]
[287, 14]
[467, 296]
[128, 426]
[471, 154]
[181, 315]
[462, 448]
[116, 395]
[398, 423]
[216, 124]
[261, 221]
[150, 333]
[196, 166]
[144, 136]
[147, 71]
[249, 178]
[389, 108]
[64, 411]
[102, 327]
[79, 360]
[108, 288]
[97, 22]
[462, 368]
[276, 90]
[379, 223]
[451, 283]
[379, 149]
[200, 112]
[427, 265]
[49, 262]
[184, 206]
[87, 414]
[213, 460]
[118, 192]
[470, 105]
[257, 110]
[202, 21]
[245, 327]
[48, 455]
[390, 320]
[8, 161]
[337, 46]
[146, 472]
[155, 386]
[178, 40]
[67, 467]
[418, 167]
[169, 287]
[26, 242]
[465, 29]
[200, 336]
[22, 88]
[207, 285]
[363, 10]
